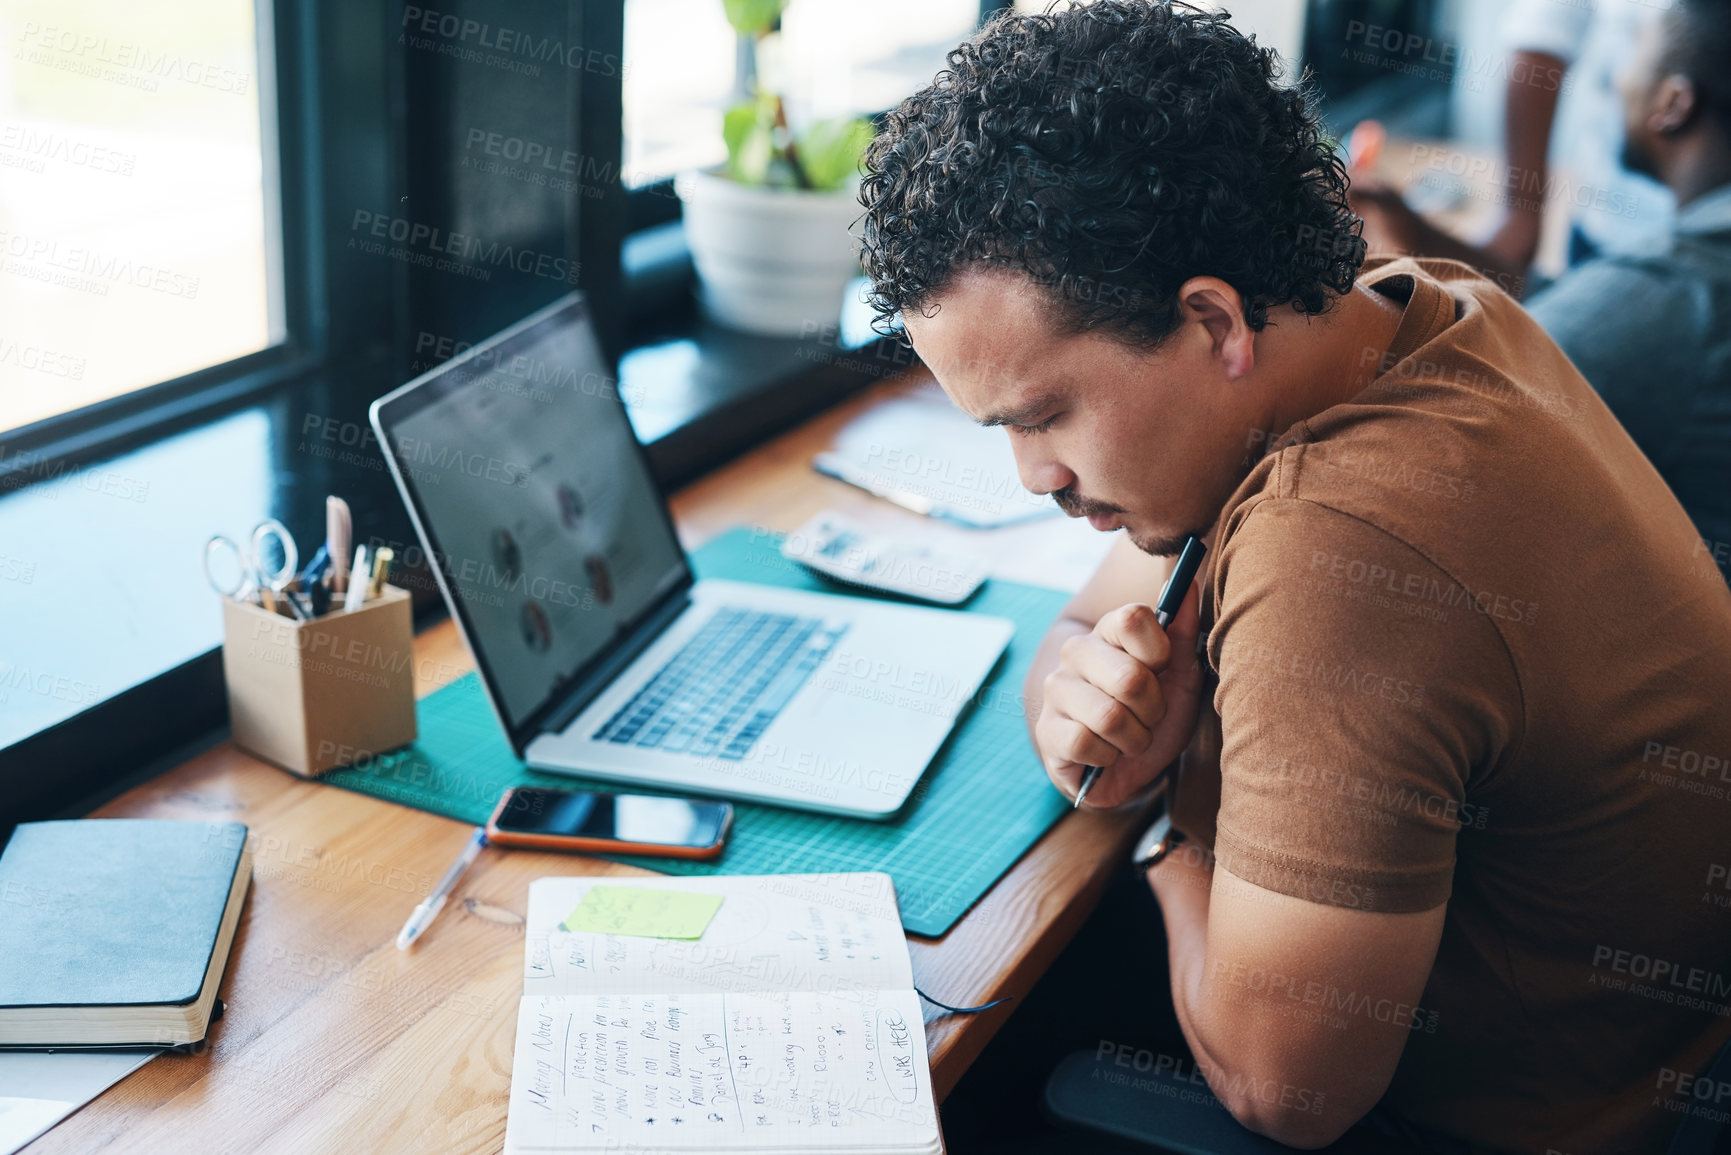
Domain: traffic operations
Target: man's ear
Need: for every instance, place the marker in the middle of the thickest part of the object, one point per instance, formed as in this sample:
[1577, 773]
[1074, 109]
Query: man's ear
[1673, 105]
[1218, 308]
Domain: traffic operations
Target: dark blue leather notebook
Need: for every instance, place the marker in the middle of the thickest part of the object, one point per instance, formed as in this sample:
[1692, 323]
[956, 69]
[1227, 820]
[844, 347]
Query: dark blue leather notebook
[115, 931]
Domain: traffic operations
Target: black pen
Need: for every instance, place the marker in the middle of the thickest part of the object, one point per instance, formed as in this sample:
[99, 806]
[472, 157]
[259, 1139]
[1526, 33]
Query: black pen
[1165, 609]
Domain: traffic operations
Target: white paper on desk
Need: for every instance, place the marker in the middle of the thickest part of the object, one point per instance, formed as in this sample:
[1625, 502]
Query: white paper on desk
[791, 1025]
[40, 1088]
[924, 454]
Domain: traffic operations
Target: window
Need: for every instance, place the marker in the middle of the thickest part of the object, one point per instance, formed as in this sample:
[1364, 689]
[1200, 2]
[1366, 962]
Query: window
[139, 231]
[108, 651]
[839, 57]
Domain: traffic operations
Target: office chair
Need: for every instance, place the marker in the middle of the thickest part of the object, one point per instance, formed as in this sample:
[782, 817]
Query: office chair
[1167, 1111]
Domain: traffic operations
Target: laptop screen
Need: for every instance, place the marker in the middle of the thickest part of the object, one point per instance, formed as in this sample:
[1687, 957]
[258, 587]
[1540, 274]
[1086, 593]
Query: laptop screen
[537, 501]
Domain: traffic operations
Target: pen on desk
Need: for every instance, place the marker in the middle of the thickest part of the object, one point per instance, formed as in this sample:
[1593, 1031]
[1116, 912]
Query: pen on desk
[1172, 596]
[357, 592]
[429, 908]
[339, 532]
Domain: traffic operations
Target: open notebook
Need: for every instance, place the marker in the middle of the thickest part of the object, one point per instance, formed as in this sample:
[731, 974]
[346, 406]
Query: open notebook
[791, 1025]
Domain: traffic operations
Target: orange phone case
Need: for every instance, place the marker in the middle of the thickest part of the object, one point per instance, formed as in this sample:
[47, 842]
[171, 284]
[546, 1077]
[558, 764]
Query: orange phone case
[573, 844]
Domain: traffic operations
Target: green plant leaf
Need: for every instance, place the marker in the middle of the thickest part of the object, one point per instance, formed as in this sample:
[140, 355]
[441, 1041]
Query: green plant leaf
[748, 131]
[753, 17]
[830, 151]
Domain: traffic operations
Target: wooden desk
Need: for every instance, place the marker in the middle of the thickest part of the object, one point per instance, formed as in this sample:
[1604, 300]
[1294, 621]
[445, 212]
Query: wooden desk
[335, 1040]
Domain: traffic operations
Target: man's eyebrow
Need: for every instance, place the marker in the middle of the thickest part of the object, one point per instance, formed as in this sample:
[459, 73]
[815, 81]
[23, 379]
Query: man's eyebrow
[1028, 413]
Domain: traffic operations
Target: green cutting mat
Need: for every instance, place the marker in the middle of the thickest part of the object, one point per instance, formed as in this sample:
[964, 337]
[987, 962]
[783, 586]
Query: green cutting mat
[982, 803]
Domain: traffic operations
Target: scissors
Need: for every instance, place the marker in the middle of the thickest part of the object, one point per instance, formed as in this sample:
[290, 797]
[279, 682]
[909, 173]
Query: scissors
[251, 577]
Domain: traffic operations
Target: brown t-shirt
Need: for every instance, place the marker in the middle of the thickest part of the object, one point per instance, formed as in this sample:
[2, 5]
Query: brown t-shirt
[1470, 650]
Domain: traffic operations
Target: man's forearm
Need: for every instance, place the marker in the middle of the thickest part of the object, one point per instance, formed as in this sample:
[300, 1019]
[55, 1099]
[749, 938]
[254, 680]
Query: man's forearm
[1529, 110]
[1182, 884]
[1287, 1078]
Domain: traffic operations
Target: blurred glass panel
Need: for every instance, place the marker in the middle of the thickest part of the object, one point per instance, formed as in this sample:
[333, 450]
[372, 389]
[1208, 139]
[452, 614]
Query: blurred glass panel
[139, 234]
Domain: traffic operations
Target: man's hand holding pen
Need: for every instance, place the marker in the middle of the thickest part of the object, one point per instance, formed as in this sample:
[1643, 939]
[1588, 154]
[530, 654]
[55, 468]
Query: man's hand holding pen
[1123, 697]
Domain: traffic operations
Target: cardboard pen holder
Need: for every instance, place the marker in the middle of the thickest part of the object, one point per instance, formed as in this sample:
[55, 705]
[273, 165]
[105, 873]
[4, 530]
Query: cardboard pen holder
[312, 696]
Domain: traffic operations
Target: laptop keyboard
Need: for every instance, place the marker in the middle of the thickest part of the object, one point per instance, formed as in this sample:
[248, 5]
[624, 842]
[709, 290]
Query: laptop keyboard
[720, 692]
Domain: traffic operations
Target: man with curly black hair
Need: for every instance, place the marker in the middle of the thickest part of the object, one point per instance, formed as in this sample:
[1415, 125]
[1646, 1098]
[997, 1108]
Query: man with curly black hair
[1458, 753]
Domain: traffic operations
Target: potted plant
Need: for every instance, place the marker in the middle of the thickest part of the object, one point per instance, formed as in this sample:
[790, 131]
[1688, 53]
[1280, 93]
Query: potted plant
[769, 228]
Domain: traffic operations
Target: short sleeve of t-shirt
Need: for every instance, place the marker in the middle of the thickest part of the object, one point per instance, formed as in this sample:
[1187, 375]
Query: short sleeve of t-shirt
[1362, 694]
[1546, 26]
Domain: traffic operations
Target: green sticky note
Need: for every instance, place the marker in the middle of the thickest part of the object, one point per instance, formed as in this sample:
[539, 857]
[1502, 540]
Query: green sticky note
[644, 913]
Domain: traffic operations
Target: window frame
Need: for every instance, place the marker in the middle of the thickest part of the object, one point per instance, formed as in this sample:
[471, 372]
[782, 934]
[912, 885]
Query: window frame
[355, 126]
[148, 412]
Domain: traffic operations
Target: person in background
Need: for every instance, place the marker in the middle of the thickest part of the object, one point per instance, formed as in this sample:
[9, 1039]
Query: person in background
[1561, 101]
[1653, 333]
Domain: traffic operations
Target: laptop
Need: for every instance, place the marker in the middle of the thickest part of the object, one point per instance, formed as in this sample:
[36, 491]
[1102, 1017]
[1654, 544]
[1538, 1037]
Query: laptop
[601, 653]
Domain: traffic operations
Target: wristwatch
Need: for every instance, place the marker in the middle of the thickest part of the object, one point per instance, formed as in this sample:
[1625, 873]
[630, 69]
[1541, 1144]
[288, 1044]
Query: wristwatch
[1158, 840]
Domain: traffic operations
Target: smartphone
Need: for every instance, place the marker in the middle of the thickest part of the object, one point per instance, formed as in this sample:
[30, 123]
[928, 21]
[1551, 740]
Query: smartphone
[590, 823]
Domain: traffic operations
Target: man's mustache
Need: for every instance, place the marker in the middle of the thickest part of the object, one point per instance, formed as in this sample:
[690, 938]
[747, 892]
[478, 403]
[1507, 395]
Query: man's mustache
[1076, 505]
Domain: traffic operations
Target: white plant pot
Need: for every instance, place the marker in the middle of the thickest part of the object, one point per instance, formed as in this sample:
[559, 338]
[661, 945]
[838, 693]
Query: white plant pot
[772, 261]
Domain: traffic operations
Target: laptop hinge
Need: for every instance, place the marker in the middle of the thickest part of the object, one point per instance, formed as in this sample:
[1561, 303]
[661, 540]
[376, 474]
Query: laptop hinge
[589, 686]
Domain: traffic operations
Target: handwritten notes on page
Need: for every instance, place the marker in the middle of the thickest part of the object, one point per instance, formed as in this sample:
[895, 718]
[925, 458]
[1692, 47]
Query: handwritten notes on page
[758, 1072]
[790, 1025]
